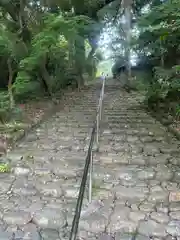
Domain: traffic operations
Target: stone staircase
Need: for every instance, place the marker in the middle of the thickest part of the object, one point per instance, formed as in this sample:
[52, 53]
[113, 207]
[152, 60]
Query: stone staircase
[135, 171]
[37, 201]
[136, 168]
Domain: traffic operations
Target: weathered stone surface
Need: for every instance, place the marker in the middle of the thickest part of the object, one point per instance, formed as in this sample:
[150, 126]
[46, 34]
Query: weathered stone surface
[48, 234]
[87, 235]
[5, 186]
[158, 194]
[123, 236]
[49, 218]
[151, 228]
[30, 232]
[146, 207]
[96, 223]
[173, 207]
[170, 186]
[119, 220]
[158, 159]
[120, 213]
[163, 173]
[50, 189]
[169, 237]
[122, 226]
[5, 235]
[64, 171]
[94, 206]
[151, 150]
[18, 217]
[175, 215]
[162, 207]
[21, 171]
[160, 217]
[145, 174]
[141, 237]
[131, 193]
[132, 139]
[42, 171]
[22, 187]
[71, 192]
[105, 236]
[137, 159]
[136, 216]
[173, 228]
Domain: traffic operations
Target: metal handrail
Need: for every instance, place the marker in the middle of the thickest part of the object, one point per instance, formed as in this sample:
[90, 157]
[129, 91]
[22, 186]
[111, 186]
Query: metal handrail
[88, 167]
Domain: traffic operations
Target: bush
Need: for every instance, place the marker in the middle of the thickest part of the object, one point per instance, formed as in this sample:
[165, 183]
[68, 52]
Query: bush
[5, 111]
[165, 85]
[25, 88]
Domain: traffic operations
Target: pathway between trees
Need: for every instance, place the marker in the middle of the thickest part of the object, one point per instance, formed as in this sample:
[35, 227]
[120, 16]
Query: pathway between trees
[134, 172]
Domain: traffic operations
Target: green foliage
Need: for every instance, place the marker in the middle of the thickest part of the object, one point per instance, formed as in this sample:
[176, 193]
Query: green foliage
[159, 39]
[4, 107]
[5, 168]
[166, 84]
[45, 47]
[52, 45]
[24, 87]
[6, 113]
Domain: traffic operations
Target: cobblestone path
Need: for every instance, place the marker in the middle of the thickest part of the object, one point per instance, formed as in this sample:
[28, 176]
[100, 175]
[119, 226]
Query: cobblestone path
[136, 168]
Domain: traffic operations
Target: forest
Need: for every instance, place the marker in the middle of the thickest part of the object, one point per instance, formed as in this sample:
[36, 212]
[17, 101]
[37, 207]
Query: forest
[48, 45]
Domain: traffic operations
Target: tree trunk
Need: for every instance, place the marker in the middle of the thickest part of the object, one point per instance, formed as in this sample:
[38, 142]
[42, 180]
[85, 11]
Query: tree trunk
[162, 54]
[10, 92]
[45, 76]
[127, 4]
[80, 60]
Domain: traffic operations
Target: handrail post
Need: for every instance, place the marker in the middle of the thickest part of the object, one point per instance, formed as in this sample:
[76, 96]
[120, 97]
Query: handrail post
[100, 109]
[97, 130]
[90, 177]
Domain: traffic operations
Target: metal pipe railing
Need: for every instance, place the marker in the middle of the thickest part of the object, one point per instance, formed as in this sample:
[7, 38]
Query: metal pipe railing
[88, 166]
[98, 119]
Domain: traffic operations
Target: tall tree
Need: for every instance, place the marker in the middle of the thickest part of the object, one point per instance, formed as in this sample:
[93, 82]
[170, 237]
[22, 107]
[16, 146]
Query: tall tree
[127, 5]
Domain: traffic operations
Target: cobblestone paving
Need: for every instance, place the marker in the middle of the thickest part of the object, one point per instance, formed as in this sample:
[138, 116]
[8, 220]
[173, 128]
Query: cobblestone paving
[135, 170]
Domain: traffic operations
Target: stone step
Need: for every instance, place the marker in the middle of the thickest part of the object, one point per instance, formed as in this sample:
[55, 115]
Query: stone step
[127, 125]
[77, 125]
[129, 121]
[125, 115]
[115, 118]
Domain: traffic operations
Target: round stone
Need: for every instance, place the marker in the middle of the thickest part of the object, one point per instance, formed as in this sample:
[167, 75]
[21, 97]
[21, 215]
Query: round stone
[21, 171]
[17, 217]
[173, 228]
[160, 217]
[50, 189]
[151, 228]
[49, 218]
[146, 207]
[95, 223]
[145, 174]
[175, 215]
[174, 206]
[136, 216]
[163, 173]
[52, 234]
